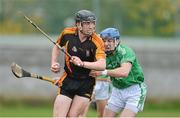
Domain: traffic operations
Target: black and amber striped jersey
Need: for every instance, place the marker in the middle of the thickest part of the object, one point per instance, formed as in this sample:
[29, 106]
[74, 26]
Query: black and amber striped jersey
[90, 50]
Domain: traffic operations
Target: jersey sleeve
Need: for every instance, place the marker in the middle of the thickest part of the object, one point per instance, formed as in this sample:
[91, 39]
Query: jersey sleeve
[100, 50]
[60, 40]
[128, 55]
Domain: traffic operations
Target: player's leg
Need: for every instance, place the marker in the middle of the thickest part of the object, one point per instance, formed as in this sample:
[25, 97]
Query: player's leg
[79, 104]
[102, 94]
[100, 107]
[115, 103]
[85, 111]
[82, 96]
[83, 114]
[61, 106]
[127, 113]
[64, 98]
[109, 113]
[135, 95]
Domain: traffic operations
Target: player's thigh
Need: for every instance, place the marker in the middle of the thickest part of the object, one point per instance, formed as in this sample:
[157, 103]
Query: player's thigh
[116, 102]
[101, 103]
[78, 105]
[136, 95]
[61, 106]
[83, 114]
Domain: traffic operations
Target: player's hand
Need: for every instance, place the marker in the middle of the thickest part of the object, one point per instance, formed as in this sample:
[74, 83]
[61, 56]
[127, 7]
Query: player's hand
[55, 67]
[77, 61]
[56, 82]
[94, 73]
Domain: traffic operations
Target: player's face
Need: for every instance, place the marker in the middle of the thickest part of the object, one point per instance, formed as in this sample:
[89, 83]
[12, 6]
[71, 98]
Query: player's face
[88, 27]
[109, 44]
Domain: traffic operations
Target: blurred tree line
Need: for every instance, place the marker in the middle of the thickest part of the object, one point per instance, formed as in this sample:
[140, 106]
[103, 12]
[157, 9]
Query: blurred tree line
[132, 17]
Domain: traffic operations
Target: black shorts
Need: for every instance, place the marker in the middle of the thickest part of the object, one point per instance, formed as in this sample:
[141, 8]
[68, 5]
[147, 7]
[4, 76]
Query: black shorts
[72, 86]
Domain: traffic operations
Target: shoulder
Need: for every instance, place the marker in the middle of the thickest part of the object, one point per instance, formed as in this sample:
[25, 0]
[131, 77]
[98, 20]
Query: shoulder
[124, 46]
[97, 39]
[124, 49]
[69, 30]
[65, 33]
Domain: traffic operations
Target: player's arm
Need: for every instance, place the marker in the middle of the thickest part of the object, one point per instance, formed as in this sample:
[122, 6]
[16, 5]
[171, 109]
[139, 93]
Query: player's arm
[54, 59]
[97, 65]
[55, 67]
[55, 54]
[122, 71]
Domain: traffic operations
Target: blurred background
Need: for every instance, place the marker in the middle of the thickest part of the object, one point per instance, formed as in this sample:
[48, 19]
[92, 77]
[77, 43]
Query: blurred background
[151, 28]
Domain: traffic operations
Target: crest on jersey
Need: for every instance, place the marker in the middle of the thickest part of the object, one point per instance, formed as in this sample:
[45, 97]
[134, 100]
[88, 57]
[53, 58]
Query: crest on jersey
[74, 49]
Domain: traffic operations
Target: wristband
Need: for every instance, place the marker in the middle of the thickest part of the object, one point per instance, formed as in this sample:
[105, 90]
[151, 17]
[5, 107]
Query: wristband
[80, 64]
[104, 72]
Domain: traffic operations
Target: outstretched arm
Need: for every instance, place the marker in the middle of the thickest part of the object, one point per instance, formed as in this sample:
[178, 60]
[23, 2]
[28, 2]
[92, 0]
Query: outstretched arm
[98, 65]
[122, 71]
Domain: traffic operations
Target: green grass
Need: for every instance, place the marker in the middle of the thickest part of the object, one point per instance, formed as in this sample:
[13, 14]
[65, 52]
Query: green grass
[161, 109]
[26, 109]
[44, 109]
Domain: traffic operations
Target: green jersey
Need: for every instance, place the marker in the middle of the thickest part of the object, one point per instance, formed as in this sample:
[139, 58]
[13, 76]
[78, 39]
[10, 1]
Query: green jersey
[121, 55]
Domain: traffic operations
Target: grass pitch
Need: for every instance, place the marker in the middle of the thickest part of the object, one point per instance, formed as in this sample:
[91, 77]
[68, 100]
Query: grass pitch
[44, 109]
